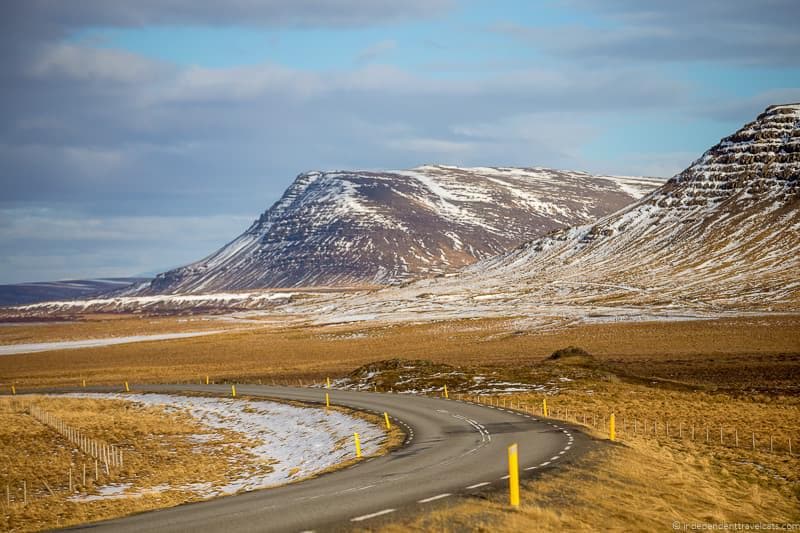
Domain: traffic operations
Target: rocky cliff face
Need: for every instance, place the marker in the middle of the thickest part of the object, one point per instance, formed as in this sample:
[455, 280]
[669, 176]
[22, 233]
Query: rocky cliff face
[721, 236]
[366, 228]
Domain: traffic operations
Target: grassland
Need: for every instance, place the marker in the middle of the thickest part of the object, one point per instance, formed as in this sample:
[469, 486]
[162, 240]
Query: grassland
[739, 374]
[157, 448]
[106, 326]
[166, 458]
[762, 352]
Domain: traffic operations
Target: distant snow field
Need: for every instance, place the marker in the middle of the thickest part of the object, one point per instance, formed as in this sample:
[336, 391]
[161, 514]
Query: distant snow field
[296, 441]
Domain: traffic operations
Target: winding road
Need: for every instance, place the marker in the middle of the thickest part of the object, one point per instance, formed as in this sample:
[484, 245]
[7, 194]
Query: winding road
[451, 448]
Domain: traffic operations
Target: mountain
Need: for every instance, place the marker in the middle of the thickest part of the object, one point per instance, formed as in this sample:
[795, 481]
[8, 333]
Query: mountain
[723, 236]
[374, 228]
[28, 293]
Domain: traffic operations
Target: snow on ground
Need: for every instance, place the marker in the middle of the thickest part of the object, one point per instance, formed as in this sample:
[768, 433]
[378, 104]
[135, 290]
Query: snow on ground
[12, 349]
[296, 441]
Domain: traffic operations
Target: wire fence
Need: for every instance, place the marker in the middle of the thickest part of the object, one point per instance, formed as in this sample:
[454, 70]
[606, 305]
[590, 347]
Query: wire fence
[652, 427]
[102, 459]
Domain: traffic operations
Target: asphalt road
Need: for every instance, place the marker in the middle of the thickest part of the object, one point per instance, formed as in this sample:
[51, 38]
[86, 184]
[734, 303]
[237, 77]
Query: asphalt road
[452, 448]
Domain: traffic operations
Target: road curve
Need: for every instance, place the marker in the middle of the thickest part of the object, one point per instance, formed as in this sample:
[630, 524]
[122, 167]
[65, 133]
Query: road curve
[451, 448]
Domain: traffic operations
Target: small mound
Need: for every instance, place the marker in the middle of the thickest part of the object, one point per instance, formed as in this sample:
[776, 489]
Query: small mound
[399, 365]
[570, 352]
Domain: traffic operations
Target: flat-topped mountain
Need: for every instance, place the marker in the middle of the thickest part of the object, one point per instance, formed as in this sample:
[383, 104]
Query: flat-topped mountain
[372, 228]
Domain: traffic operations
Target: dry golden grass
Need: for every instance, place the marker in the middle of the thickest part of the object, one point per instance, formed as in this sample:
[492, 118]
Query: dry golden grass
[645, 487]
[644, 482]
[156, 450]
[161, 458]
[103, 326]
[668, 350]
[741, 373]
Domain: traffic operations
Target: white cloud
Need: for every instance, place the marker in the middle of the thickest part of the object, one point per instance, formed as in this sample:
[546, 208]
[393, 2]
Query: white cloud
[32, 224]
[93, 64]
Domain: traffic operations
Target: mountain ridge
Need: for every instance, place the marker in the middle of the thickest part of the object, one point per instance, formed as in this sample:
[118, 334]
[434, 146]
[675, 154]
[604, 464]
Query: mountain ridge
[384, 227]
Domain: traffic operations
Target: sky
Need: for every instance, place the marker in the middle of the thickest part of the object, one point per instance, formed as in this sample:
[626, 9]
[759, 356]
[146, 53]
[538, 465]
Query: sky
[139, 136]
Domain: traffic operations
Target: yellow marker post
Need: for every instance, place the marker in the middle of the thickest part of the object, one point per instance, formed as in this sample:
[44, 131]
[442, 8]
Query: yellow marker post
[327, 401]
[328, 382]
[83, 383]
[127, 388]
[544, 407]
[513, 476]
[13, 390]
[358, 445]
[206, 380]
[612, 429]
[233, 391]
[386, 417]
[445, 391]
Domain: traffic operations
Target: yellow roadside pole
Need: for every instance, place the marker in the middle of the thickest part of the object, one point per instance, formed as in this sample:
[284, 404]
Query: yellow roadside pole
[544, 407]
[358, 445]
[13, 390]
[612, 427]
[386, 417]
[233, 391]
[127, 388]
[327, 401]
[206, 380]
[445, 391]
[513, 476]
[328, 382]
[83, 383]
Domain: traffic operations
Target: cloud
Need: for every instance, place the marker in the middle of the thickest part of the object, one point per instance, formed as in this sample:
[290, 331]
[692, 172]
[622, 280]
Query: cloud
[46, 244]
[262, 13]
[93, 64]
[125, 149]
[376, 51]
[738, 32]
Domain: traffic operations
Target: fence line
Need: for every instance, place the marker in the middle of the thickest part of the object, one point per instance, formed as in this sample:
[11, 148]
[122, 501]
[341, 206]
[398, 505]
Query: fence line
[651, 427]
[104, 453]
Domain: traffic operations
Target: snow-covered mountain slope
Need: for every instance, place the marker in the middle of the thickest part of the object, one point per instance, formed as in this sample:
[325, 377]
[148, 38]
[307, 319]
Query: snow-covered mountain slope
[365, 228]
[721, 236]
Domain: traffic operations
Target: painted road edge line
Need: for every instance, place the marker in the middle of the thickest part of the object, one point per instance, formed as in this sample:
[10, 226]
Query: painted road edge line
[434, 498]
[478, 485]
[372, 515]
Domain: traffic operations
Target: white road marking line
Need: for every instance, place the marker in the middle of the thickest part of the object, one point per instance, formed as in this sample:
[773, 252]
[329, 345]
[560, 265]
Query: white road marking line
[567, 448]
[434, 498]
[505, 477]
[544, 463]
[477, 485]
[372, 515]
[562, 452]
[554, 458]
[532, 468]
